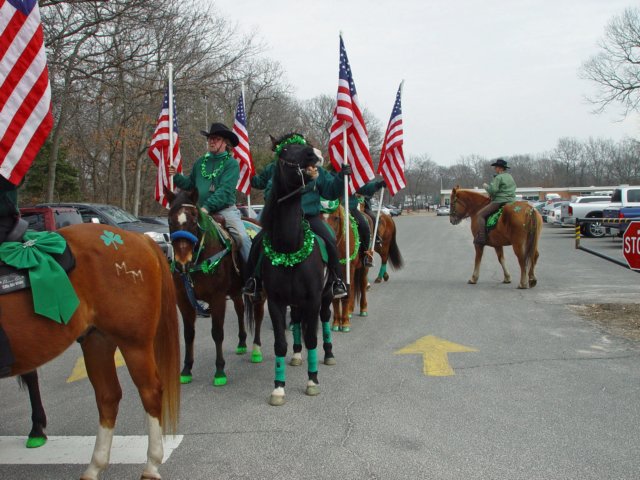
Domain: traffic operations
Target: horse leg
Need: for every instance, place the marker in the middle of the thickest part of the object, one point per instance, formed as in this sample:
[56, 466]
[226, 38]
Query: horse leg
[362, 286]
[188, 314]
[238, 306]
[278, 312]
[520, 253]
[217, 305]
[258, 315]
[144, 373]
[476, 266]
[325, 316]
[311, 342]
[296, 330]
[101, 369]
[37, 437]
[533, 281]
[382, 273]
[337, 305]
[503, 264]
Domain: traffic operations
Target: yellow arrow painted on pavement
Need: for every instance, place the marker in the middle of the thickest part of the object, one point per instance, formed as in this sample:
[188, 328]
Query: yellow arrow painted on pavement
[434, 352]
[80, 370]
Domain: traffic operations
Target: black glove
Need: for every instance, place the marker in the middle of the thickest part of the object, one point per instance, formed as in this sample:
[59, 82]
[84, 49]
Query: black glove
[346, 169]
[382, 184]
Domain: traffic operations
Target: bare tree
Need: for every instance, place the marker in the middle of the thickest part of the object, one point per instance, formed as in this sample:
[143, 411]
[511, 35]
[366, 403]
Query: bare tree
[616, 68]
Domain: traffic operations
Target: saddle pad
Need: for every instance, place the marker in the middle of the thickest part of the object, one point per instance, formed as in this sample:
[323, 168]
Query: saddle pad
[252, 228]
[492, 221]
[323, 248]
[13, 279]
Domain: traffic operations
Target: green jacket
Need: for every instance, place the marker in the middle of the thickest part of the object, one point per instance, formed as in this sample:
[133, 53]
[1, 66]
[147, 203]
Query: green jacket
[215, 193]
[327, 185]
[367, 190]
[502, 188]
[8, 198]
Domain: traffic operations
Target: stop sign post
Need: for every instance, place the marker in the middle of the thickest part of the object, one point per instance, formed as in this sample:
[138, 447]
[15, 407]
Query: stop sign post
[631, 245]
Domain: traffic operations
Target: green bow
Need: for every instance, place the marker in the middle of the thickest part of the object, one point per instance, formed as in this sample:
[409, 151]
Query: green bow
[53, 293]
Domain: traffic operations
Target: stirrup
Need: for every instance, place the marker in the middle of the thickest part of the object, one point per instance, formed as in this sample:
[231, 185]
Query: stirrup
[251, 287]
[367, 259]
[339, 289]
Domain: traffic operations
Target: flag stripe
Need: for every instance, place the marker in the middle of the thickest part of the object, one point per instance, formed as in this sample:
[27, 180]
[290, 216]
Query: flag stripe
[392, 156]
[242, 152]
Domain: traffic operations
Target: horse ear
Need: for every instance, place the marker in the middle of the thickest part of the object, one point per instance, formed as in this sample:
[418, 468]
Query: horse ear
[274, 142]
[193, 196]
[169, 195]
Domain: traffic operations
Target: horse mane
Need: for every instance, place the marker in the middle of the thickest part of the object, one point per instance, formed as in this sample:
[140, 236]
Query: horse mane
[476, 198]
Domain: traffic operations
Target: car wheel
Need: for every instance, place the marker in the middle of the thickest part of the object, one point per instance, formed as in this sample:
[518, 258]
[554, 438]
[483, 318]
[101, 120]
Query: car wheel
[595, 230]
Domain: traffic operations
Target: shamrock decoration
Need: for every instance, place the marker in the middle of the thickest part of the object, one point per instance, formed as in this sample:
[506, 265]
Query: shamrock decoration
[111, 238]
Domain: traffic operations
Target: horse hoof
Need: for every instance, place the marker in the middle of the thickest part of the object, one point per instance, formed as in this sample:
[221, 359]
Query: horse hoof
[35, 442]
[312, 390]
[256, 356]
[335, 328]
[533, 283]
[345, 329]
[241, 350]
[506, 281]
[386, 277]
[184, 379]
[295, 362]
[219, 381]
[377, 280]
[350, 315]
[150, 476]
[471, 282]
[276, 400]
[364, 314]
[330, 361]
[522, 287]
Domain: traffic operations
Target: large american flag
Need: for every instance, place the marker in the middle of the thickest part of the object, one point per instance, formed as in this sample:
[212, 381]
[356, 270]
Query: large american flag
[348, 116]
[392, 157]
[243, 152]
[25, 92]
[159, 149]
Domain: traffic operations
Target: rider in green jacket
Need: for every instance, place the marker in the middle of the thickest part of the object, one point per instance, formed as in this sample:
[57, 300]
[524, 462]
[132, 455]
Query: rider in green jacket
[501, 190]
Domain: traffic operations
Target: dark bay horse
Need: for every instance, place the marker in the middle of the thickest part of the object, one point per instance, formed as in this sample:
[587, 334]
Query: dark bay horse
[344, 307]
[126, 301]
[205, 270]
[293, 272]
[388, 247]
[519, 225]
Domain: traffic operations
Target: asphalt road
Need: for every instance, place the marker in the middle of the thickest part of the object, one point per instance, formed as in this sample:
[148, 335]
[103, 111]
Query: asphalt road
[544, 395]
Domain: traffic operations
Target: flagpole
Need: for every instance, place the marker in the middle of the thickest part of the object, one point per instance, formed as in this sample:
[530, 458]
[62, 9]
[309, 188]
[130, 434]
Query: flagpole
[375, 229]
[345, 161]
[244, 107]
[171, 123]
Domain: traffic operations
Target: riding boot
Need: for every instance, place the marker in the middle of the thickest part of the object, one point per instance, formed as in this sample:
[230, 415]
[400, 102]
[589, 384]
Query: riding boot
[6, 355]
[481, 237]
[338, 288]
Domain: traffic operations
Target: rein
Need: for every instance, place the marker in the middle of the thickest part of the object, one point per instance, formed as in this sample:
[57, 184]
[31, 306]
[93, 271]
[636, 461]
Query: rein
[299, 172]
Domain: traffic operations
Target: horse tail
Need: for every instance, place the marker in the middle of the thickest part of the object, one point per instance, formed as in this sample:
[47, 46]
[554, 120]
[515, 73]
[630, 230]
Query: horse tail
[397, 262]
[357, 282]
[533, 233]
[167, 350]
[249, 317]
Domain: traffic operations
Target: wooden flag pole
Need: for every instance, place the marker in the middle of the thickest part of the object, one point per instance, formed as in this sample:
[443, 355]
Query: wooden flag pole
[171, 123]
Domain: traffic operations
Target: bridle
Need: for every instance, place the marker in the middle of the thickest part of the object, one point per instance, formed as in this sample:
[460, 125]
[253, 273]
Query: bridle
[453, 216]
[282, 164]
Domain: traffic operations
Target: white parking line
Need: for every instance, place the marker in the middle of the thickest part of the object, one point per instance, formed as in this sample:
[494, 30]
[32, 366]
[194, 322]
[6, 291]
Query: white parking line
[78, 450]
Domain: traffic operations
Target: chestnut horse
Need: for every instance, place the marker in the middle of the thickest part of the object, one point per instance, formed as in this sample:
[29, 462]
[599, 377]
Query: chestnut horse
[387, 248]
[519, 225]
[344, 307]
[205, 270]
[126, 301]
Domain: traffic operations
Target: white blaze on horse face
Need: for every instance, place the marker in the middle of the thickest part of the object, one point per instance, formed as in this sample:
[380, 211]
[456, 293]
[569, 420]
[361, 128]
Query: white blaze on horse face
[182, 218]
[101, 452]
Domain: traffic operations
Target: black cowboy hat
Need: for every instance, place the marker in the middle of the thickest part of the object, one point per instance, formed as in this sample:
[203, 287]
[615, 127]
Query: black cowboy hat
[500, 163]
[221, 130]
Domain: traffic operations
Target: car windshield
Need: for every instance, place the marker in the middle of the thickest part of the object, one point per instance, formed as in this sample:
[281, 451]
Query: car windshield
[118, 215]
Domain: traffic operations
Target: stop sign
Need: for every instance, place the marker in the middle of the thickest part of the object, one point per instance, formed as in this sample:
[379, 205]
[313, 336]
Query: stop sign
[631, 245]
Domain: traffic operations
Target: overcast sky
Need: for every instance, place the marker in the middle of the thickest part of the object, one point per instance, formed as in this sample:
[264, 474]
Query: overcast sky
[485, 77]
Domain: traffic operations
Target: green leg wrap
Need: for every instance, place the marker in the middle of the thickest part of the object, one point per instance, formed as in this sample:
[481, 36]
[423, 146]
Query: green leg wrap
[313, 360]
[297, 333]
[326, 332]
[281, 367]
[383, 270]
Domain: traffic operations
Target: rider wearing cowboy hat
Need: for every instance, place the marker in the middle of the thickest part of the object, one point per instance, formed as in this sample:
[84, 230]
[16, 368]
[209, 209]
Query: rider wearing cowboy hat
[215, 176]
[501, 190]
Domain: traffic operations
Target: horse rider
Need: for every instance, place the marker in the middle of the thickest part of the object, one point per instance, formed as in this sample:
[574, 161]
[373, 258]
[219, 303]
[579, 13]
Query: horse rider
[501, 190]
[323, 184]
[215, 176]
[367, 190]
[9, 213]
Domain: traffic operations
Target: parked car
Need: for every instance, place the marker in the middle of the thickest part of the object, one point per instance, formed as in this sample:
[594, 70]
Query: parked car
[253, 211]
[393, 210]
[374, 207]
[443, 210]
[554, 215]
[117, 217]
[625, 204]
[588, 206]
[48, 219]
[158, 220]
[549, 207]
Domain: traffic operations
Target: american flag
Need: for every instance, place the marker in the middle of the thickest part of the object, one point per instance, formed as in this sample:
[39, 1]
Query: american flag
[392, 157]
[348, 116]
[25, 92]
[159, 148]
[243, 152]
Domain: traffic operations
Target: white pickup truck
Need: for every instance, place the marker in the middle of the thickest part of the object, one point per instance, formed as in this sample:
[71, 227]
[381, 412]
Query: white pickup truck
[590, 206]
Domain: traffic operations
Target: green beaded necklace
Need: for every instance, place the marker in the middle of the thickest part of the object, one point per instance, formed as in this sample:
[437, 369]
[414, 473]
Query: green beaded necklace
[290, 259]
[215, 172]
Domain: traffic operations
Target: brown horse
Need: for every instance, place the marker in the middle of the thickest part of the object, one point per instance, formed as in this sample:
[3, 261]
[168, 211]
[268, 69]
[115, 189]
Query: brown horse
[205, 270]
[387, 248]
[344, 307]
[126, 301]
[519, 225]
